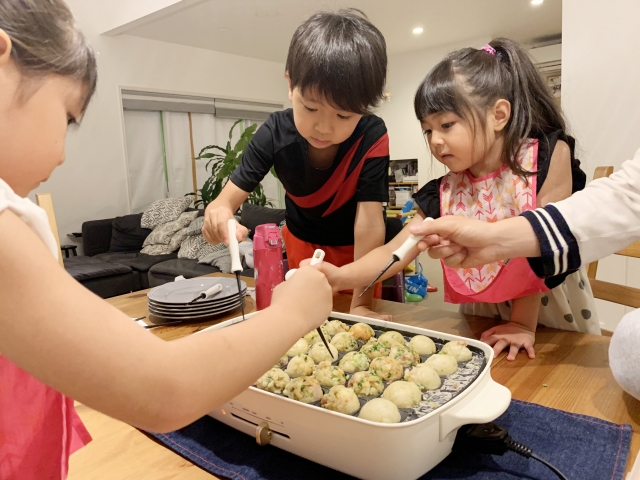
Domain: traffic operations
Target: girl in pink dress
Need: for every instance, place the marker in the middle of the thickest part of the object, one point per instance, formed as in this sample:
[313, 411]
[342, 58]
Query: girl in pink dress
[490, 119]
[58, 340]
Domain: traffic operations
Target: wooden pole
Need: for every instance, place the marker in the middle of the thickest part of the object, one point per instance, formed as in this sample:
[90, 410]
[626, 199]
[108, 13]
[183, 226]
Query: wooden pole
[193, 160]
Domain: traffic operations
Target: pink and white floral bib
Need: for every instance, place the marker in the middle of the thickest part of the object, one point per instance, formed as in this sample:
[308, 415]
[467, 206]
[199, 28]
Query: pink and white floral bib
[499, 195]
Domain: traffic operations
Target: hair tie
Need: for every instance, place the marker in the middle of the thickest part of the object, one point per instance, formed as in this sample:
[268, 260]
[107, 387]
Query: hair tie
[489, 49]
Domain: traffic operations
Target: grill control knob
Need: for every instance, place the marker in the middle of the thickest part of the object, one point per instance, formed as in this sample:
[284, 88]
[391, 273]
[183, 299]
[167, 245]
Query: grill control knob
[263, 434]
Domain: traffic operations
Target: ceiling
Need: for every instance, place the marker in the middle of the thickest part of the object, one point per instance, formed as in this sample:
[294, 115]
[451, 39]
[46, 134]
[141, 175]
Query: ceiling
[263, 28]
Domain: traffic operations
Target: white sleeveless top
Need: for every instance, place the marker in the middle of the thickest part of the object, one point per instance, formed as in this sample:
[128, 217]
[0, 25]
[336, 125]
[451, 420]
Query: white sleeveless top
[29, 213]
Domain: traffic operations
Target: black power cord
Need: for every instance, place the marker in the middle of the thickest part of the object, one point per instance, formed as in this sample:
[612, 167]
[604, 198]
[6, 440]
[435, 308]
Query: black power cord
[492, 439]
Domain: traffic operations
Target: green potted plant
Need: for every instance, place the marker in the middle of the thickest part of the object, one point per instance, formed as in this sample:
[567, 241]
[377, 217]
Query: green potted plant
[221, 162]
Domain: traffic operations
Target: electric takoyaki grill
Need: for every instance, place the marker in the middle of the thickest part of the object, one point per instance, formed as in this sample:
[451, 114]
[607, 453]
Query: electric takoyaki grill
[365, 449]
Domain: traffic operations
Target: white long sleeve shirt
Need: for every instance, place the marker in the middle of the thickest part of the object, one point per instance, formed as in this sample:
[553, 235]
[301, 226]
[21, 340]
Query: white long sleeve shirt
[591, 224]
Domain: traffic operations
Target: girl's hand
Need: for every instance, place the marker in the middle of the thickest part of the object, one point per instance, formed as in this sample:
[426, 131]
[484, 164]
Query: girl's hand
[307, 294]
[215, 229]
[332, 273]
[512, 336]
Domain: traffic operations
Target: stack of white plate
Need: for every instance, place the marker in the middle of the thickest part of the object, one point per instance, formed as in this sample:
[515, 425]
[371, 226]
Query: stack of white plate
[171, 300]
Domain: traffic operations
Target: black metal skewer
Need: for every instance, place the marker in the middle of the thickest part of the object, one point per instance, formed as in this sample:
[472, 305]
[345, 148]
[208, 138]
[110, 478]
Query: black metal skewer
[324, 340]
[393, 260]
[240, 292]
[162, 324]
[199, 297]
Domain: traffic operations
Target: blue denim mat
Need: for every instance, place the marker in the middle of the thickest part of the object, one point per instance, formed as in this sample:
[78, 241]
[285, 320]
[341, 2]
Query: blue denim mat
[581, 447]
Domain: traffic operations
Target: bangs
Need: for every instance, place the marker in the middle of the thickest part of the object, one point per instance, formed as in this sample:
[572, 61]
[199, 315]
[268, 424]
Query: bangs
[340, 93]
[440, 92]
[84, 67]
[338, 76]
[340, 57]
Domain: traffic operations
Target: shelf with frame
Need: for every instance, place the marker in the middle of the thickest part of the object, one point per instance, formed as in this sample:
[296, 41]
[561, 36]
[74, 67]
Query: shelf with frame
[403, 183]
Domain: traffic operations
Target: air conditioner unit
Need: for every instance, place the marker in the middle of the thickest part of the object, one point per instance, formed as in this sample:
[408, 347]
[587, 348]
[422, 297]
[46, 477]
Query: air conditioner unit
[549, 67]
[548, 60]
[547, 57]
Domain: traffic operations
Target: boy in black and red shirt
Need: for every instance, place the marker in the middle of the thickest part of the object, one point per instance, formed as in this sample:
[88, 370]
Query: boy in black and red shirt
[329, 152]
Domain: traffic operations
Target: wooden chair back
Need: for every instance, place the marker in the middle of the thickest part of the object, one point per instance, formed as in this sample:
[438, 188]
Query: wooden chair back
[45, 201]
[613, 292]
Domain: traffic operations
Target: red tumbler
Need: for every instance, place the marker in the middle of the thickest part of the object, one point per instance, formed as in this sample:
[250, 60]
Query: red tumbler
[267, 260]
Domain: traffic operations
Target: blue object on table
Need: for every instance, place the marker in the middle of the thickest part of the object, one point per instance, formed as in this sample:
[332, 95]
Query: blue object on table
[581, 447]
[416, 284]
[407, 207]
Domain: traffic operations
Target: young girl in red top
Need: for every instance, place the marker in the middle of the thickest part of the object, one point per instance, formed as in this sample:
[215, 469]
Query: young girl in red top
[490, 119]
[56, 337]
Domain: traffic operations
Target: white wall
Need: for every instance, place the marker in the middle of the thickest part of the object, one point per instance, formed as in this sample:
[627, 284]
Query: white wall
[406, 71]
[601, 98]
[121, 12]
[92, 184]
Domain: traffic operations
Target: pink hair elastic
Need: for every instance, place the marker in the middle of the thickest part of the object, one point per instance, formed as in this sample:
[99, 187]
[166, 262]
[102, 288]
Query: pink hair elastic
[489, 49]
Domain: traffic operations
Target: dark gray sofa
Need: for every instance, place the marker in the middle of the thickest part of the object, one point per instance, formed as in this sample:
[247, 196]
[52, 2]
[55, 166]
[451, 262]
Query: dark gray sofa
[113, 264]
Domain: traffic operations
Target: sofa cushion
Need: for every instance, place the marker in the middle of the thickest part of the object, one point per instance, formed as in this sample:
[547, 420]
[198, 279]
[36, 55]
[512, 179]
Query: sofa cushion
[96, 236]
[195, 227]
[191, 246]
[164, 210]
[186, 267]
[111, 286]
[208, 249]
[199, 210]
[167, 271]
[163, 234]
[139, 262]
[254, 215]
[127, 234]
[86, 268]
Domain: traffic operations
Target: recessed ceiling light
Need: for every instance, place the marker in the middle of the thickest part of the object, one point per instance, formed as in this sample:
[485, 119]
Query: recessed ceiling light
[418, 30]
[536, 2]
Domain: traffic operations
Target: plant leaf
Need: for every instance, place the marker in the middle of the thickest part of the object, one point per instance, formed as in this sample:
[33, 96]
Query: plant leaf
[222, 162]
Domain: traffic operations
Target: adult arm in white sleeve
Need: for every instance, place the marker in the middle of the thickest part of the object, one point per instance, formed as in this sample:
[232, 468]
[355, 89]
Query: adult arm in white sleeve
[591, 224]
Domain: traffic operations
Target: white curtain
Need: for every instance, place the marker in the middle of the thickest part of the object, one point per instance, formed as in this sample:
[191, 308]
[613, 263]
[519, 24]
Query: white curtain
[150, 179]
[210, 130]
[176, 137]
[144, 158]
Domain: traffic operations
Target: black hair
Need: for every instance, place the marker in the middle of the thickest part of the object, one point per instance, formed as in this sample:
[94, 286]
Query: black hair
[46, 40]
[341, 57]
[469, 82]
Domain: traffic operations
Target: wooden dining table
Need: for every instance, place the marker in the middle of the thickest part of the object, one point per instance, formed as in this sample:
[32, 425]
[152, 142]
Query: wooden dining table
[570, 372]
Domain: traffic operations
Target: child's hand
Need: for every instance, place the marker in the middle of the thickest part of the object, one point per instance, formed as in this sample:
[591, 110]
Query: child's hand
[307, 294]
[513, 336]
[331, 272]
[216, 230]
[364, 311]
